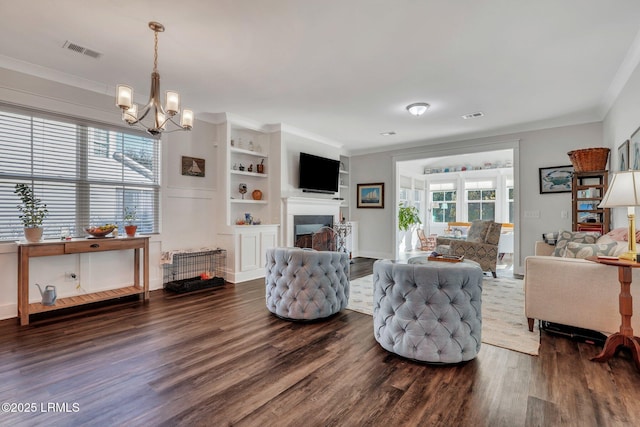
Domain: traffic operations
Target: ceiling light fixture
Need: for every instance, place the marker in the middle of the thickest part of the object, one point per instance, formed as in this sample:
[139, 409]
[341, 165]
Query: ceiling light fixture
[130, 114]
[418, 108]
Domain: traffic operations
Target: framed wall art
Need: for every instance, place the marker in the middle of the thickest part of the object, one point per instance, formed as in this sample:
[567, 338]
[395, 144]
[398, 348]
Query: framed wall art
[371, 195]
[555, 179]
[634, 150]
[623, 156]
[192, 166]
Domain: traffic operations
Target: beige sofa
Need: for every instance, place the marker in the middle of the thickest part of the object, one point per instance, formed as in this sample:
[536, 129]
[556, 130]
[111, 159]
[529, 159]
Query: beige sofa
[575, 292]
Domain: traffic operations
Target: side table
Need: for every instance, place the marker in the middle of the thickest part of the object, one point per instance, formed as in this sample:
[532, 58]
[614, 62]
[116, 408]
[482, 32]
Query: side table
[625, 337]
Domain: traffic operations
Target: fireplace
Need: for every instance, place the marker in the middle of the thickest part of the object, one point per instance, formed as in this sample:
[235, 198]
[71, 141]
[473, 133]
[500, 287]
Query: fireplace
[305, 225]
[307, 207]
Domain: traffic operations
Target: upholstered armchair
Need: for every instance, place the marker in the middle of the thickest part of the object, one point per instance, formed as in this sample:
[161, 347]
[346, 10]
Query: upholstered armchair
[480, 246]
[303, 284]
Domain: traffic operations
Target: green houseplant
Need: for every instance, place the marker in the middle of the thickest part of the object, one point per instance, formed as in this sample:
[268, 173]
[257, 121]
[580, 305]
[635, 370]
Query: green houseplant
[407, 217]
[130, 216]
[32, 212]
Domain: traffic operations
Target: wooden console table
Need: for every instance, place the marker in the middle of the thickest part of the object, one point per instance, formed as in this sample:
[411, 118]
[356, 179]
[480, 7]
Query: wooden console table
[78, 246]
[625, 337]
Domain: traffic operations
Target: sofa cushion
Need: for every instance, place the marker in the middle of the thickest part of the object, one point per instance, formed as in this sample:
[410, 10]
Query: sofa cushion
[583, 250]
[478, 231]
[621, 246]
[564, 237]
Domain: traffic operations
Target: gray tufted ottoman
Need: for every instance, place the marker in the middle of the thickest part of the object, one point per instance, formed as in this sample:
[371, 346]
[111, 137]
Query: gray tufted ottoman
[428, 312]
[305, 284]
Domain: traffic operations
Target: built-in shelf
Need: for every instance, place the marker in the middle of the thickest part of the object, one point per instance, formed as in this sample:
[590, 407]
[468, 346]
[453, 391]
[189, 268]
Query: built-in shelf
[249, 201]
[259, 175]
[249, 152]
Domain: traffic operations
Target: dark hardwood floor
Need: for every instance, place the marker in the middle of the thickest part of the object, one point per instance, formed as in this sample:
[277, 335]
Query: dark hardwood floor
[218, 357]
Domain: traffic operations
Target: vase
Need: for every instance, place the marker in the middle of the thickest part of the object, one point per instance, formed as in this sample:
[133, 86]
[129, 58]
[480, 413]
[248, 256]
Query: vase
[33, 234]
[130, 230]
[256, 194]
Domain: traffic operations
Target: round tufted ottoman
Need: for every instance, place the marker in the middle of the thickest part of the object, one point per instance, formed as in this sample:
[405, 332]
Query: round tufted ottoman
[430, 312]
[303, 284]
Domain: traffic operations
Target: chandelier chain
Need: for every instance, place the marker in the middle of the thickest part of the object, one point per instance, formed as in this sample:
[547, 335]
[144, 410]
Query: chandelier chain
[155, 52]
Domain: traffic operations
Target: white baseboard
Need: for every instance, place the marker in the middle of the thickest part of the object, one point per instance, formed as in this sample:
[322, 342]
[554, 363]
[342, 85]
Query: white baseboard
[376, 255]
[8, 311]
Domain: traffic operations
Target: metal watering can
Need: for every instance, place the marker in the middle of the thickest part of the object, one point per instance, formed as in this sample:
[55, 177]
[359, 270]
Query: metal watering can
[48, 295]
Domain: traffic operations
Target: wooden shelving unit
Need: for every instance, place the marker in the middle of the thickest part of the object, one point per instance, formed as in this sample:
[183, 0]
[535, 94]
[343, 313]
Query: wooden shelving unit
[587, 191]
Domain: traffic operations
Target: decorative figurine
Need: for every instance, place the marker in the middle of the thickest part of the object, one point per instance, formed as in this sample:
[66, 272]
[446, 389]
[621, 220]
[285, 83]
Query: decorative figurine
[250, 168]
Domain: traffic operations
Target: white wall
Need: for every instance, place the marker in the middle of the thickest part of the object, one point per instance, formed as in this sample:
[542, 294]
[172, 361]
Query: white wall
[622, 120]
[292, 146]
[536, 149]
[188, 212]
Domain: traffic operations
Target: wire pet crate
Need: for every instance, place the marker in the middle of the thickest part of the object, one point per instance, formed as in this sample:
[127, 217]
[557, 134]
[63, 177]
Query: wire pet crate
[192, 271]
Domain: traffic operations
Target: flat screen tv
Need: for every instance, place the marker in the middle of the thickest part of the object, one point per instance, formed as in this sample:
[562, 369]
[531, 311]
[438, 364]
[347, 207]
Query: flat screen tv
[318, 174]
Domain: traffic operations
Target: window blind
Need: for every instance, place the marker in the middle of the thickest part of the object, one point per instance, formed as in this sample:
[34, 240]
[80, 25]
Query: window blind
[86, 173]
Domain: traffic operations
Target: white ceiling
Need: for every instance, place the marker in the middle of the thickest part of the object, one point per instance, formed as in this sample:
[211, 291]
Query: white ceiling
[345, 69]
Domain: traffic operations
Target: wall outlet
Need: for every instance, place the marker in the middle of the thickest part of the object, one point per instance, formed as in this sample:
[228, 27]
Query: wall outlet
[564, 214]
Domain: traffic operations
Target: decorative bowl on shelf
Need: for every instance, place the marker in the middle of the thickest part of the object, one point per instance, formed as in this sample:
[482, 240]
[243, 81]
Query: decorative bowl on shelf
[100, 230]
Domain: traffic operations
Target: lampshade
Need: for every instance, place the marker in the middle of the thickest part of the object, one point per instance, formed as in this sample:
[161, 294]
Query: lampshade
[624, 190]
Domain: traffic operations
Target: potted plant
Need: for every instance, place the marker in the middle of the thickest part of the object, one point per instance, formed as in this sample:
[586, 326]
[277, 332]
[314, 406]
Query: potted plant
[130, 216]
[407, 217]
[32, 213]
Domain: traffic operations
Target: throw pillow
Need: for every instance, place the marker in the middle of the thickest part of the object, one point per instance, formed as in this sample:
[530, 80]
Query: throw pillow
[621, 246]
[564, 237]
[583, 250]
[478, 231]
[622, 234]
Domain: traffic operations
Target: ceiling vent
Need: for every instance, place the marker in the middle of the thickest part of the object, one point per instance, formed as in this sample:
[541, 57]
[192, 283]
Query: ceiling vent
[81, 50]
[473, 115]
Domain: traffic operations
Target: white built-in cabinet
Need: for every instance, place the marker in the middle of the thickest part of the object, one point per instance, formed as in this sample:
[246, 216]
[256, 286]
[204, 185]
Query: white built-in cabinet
[246, 161]
[344, 186]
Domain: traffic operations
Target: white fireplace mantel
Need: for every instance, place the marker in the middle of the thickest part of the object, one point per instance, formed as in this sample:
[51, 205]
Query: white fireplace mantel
[306, 206]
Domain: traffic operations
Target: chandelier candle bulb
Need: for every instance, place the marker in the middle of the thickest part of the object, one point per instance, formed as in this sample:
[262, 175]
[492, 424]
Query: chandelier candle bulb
[125, 97]
[187, 119]
[173, 102]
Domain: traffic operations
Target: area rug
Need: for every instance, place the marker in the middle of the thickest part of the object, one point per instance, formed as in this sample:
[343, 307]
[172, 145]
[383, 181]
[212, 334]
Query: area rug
[503, 321]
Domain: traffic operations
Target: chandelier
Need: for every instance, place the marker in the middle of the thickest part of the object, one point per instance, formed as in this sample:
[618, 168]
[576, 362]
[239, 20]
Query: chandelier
[161, 116]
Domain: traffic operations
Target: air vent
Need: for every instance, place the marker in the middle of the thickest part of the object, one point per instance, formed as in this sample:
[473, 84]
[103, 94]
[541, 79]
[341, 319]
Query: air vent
[473, 115]
[81, 50]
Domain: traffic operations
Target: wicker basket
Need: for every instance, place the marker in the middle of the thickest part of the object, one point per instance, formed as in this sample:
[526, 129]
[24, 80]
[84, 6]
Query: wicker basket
[589, 159]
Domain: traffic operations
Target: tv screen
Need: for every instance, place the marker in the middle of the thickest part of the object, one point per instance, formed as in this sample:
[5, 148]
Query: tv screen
[318, 174]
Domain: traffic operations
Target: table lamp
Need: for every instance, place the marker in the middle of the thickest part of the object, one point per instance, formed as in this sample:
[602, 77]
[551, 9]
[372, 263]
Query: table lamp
[624, 191]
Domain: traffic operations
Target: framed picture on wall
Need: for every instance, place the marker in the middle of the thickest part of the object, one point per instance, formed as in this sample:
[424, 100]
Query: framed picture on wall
[623, 156]
[634, 150]
[192, 166]
[371, 195]
[555, 179]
